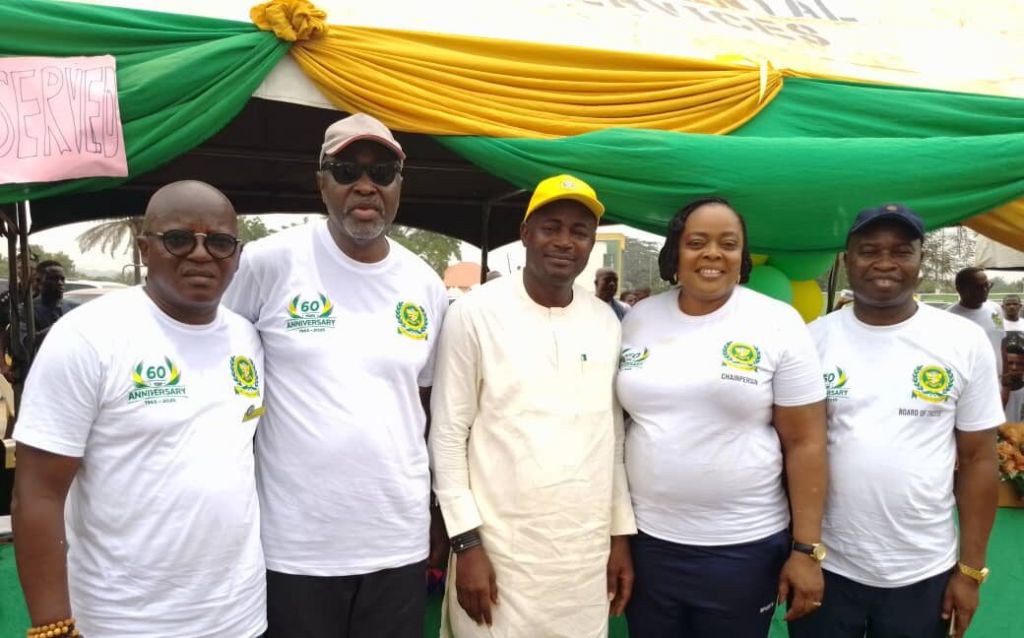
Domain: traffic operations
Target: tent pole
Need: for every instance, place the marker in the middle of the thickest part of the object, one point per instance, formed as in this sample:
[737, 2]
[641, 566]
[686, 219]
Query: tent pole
[485, 226]
[26, 276]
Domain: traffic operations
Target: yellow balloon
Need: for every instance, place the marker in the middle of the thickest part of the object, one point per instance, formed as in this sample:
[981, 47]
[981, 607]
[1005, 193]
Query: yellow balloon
[807, 299]
[759, 260]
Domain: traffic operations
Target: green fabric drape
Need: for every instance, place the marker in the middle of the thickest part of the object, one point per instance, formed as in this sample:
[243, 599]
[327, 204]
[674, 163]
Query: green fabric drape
[802, 168]
[180, 78]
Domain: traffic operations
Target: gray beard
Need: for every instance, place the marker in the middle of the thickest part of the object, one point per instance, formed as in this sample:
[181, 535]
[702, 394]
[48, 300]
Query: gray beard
[362, 231]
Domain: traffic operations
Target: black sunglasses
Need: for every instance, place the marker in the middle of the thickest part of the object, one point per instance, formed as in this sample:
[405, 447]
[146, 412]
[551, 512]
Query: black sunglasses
[181, 243]
[380, 173]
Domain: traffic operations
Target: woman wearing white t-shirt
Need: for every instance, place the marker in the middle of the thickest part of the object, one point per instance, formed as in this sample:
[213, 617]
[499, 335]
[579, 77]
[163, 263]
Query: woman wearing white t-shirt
[724, 391]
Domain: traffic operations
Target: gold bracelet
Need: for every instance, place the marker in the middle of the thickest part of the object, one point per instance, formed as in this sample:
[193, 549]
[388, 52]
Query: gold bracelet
[64, 627]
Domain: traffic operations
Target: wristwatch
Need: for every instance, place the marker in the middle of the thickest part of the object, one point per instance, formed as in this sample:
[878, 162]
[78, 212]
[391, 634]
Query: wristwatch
[980, 575]
[816, 551]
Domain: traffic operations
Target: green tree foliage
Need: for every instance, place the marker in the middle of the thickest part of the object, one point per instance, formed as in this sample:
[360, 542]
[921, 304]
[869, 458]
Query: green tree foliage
[41, 254]
[110, 235]
[434, 248]
[251, 228]
[640, 266]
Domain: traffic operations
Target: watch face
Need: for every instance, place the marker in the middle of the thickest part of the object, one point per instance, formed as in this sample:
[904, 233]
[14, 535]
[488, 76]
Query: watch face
[819, 552]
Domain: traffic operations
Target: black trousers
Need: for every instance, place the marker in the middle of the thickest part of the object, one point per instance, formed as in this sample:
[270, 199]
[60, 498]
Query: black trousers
[852, 610]
[693, 591]
[385, 604]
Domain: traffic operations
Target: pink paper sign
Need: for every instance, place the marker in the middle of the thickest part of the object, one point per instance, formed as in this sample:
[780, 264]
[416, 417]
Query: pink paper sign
[59, 119]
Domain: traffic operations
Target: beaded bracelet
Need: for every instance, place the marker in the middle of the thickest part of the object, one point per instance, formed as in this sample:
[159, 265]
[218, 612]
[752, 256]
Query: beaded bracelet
[53, 630]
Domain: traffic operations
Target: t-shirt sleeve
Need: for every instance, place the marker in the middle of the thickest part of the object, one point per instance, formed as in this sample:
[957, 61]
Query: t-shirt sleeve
[243, 295]
[440, 308]
[62, 394]
[797, 379]
[980, 405]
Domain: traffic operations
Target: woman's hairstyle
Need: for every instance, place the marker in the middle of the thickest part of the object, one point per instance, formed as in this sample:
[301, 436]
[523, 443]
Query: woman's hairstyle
[668, 258]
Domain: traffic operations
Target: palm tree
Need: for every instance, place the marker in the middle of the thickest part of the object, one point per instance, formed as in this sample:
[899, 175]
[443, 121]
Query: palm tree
[110, 234]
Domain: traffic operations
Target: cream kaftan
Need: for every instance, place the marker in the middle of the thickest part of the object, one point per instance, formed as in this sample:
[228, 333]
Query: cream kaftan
[526, 443]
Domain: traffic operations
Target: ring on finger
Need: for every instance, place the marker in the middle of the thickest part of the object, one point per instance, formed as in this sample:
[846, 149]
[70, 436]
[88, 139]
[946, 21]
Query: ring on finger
[816, 603]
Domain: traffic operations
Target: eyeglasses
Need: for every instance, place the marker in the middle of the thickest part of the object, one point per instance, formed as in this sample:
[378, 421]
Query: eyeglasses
[181, 243]
[380, 173]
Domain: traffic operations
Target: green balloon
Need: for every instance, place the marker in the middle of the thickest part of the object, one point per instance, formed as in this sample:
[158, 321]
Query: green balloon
[770, 281]
[802, 266]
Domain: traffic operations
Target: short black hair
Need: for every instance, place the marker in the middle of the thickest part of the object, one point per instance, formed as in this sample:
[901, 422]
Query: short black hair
[49, 263]
[961, 277]
[1013, 342]
[668, 258]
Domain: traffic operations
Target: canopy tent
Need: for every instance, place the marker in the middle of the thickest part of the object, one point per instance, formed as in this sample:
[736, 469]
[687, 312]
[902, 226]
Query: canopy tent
[797, 151]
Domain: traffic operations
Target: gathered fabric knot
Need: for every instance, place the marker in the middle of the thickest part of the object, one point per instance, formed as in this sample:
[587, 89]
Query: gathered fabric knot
[290, 20]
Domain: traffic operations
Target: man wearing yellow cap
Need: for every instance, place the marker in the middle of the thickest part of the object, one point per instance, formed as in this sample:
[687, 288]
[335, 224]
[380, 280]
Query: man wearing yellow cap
[526, 440]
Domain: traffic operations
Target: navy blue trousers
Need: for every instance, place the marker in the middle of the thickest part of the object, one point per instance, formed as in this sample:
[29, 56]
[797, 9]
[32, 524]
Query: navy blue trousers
[724, 591]
[852, 610]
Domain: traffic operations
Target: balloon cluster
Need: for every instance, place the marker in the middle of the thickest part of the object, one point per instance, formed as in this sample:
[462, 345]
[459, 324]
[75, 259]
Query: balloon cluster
[789, 277]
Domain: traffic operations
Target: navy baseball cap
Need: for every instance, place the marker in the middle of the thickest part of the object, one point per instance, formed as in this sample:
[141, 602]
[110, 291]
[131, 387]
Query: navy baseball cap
[888, 212]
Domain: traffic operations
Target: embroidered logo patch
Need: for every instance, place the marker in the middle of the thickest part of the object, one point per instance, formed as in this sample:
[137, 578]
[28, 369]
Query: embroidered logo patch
[997, 319]
[632, 358]
[160, 383]
[412, 320]
[310, 315]
[741, 356]
[932, 383]
[247, 380]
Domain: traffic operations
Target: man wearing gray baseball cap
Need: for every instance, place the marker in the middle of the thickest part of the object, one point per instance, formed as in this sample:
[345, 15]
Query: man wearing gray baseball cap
[349, 321]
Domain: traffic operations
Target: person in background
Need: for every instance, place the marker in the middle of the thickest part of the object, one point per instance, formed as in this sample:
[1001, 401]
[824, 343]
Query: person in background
[1011, 314]
[641, 293]
[1012, 379]
[138, 416]
[527, 440]
[912, 394]
[628, 297]
[726, 401]
[48, 307]
[350, 322]
[606, 282]
[972, 285]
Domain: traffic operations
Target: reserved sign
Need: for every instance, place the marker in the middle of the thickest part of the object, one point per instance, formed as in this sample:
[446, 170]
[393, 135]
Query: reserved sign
[59, 119]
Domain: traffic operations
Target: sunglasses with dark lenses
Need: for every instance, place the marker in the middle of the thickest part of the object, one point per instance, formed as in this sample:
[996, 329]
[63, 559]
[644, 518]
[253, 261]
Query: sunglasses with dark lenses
[380, 173]
[181, 243]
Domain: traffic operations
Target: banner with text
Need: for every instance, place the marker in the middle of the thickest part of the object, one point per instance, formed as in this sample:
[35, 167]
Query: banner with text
[59, 119]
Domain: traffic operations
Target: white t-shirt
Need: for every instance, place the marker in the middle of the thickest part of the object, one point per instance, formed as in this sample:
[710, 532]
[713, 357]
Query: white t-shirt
[990, 317]
[703, 460]
[341, 456]
[1013, 326]
[162, 518]
[895, 396]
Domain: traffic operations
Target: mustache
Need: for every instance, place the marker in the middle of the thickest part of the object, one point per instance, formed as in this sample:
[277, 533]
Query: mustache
[366, 203]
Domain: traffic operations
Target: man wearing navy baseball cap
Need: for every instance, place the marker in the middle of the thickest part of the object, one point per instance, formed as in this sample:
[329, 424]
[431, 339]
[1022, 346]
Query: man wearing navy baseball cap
[910, 390]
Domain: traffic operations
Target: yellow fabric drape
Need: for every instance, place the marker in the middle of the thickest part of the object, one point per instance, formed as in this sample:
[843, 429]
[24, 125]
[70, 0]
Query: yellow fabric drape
[1004, 224]
[460, 85]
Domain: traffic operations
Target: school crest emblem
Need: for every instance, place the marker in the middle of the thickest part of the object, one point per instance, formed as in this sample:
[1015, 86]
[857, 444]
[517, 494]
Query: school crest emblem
[932, 383]
[741, 356]
[412, 320]
[247, 380]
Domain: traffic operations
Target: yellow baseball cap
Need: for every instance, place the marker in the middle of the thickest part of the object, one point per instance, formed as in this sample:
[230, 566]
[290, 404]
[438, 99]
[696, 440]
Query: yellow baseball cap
[564, 187]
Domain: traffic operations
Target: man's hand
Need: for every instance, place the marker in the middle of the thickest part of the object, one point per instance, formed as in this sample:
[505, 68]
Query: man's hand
[620, 575]
[802, 579]
[475, 584]
[961, 597]
[439, 545]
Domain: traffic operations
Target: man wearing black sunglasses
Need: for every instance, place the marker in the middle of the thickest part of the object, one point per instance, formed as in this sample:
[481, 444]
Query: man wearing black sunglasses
[973, 286]
[350, 322]
[139, 413]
